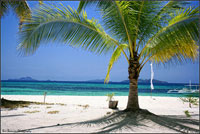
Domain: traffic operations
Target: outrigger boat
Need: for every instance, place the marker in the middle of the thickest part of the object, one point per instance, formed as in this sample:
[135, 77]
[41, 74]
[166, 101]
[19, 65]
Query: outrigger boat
[186, 90]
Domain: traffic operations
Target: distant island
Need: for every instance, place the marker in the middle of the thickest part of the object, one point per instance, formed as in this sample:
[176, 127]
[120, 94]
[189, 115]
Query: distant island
[146, 81]
[143, 81]
[23, 79]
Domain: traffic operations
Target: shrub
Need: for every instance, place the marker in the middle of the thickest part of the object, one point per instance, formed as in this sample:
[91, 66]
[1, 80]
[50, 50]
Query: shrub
[53, 112]
[191, 100]
[110, 96]
[30, 112]
[187, 113]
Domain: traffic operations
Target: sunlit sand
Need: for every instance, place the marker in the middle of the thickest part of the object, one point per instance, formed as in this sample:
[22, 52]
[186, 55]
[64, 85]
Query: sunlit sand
[88, 114]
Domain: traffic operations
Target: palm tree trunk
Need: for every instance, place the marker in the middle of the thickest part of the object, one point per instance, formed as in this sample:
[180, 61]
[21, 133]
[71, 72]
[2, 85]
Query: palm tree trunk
[133, 70]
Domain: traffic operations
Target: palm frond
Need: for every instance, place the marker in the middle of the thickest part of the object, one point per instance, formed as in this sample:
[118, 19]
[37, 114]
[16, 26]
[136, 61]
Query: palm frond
[83, 4]
[177, 41]
[40, 2]
[66, 25]
[4, 8]
[114, 15]
[124, 20]
[21, 8]
[115, 56]
[158, 19]
[170, 7]
[183, 15]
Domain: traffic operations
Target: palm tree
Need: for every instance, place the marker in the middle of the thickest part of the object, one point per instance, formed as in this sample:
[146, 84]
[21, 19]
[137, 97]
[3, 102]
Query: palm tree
[142, 31]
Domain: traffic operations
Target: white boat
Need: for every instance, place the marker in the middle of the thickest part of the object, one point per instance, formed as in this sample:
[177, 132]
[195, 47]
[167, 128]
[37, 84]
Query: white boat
[186, 90]
[173, 91]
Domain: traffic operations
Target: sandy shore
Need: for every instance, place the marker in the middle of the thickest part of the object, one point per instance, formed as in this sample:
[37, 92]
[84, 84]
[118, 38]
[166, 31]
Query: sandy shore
[90, 114]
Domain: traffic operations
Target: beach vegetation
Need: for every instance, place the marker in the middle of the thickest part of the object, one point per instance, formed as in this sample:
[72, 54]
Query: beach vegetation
[110, 97]
[142, 31]
[31, 112]
[42, 103]
[14, 104]
[84, 106]
[53, 112]
[190, 100]
[19, 104]
[21, 8]
[187, 113]
[112, 103]
[108, 113]
[62, 104]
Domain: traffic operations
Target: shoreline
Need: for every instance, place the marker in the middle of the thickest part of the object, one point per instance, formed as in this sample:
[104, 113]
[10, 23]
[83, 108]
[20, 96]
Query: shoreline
[157, 95]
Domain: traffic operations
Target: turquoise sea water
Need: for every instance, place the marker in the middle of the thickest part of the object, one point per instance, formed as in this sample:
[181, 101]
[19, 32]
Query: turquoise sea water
[84, 89]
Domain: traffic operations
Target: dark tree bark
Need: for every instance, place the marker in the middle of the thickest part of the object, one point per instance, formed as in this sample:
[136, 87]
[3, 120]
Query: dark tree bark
[133, 69]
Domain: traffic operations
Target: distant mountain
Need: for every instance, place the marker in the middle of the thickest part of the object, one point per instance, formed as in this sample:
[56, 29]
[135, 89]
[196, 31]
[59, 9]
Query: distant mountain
[146, 81]
[23, 79]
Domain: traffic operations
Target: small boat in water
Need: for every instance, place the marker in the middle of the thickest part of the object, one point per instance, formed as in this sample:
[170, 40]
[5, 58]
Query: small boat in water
[173, 91]
[185, 90]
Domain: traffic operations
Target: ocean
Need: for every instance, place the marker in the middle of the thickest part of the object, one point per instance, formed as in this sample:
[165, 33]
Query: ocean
[85, 89]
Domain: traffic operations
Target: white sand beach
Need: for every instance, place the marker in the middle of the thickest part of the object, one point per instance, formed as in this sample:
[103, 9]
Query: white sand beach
[90, 114]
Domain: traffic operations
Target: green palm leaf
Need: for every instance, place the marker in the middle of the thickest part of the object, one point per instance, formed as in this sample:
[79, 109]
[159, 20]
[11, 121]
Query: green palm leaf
[113, 13]
[65, 25]
[176, 41]
[21, 8]
[115, 56]
[4, 8]
[159, 18]
[133, 21]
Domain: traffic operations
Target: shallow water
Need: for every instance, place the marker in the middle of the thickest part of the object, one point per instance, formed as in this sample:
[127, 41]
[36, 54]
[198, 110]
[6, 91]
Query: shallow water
[85, 89]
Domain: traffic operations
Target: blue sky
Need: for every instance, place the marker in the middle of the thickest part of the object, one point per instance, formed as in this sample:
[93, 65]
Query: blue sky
[56, 61]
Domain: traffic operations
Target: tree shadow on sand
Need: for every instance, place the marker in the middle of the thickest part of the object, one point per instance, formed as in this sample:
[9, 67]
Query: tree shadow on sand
[131, 121]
